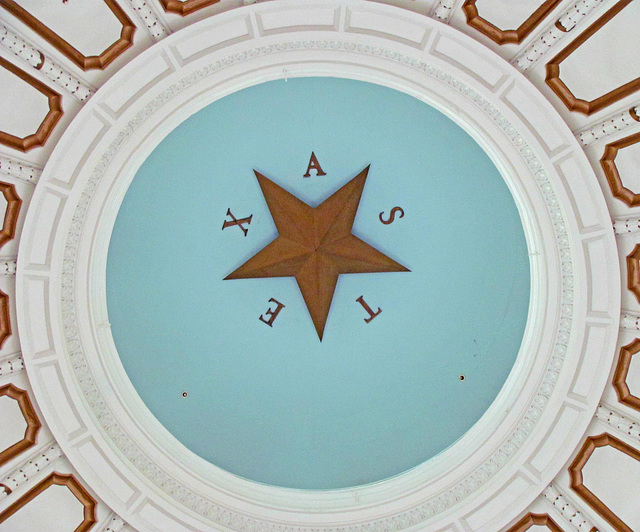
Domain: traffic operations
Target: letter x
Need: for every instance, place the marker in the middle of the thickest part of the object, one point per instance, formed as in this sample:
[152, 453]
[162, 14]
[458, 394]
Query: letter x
[239, 222]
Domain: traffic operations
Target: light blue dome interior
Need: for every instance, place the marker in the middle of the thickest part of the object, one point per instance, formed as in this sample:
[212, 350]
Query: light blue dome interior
[274, 404]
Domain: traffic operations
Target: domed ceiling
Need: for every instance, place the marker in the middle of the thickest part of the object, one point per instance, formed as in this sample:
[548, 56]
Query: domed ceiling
[319, 265]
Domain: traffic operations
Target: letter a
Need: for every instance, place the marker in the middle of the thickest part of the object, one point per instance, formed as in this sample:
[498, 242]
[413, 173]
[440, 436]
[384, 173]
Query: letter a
[314, 165]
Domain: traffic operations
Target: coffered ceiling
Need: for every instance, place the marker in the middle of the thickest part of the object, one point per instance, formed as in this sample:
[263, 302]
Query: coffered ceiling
[580, 59]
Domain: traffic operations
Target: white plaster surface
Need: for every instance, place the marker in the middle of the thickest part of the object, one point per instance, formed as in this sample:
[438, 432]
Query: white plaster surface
[22, 107]
[614, 477]
[626, 244]
[54, 510]
[506, 14]
[607, 60]
[88, 25]
[633, 377]
[628, 164]
[12, 422]
[3, 207]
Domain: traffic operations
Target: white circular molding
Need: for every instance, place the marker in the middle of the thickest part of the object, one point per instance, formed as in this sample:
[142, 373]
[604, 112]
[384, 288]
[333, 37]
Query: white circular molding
[485, 479]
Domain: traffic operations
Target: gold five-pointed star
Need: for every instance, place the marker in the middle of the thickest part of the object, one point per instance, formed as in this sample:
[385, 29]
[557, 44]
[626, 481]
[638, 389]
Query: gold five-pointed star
[315, 245]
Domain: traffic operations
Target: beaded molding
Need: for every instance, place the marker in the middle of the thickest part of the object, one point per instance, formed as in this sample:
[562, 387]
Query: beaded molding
[438, 503]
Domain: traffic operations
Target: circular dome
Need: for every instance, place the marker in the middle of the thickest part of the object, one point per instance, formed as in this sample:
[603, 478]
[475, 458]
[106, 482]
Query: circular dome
[269, 400]
[132, 462]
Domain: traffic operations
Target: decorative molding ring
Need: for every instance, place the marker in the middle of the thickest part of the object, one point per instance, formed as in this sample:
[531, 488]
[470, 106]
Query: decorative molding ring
[185, 7]
[564, 93]
[65, 281]
[30, 418]
[50, 120]
[58, 479]
[575, 471]
[84, 62]
[98, 403]
[501, 36]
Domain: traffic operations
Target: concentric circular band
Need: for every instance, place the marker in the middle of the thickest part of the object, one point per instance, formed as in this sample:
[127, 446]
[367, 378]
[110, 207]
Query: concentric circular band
[132, 462]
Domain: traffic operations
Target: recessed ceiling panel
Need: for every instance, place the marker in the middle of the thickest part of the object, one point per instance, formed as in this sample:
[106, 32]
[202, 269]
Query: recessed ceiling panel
[237, 369]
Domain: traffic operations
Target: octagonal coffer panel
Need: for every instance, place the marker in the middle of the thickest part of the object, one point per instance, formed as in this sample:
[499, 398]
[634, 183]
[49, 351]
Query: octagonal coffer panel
[31, 422]
[586, 86]
[71, 28]
[29, 109]
[58, 502]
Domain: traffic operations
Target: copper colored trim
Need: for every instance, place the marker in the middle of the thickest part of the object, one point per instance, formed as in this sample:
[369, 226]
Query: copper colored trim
[184, 8]
[564, 93]
[46, 127]
[507, 36]
[85, 63]
[14, 202]
[575, 471]
[620, 376]
[58, 479]
[633, 272]
[30, 417]
[5, 318]
[531, 519]
[611, 171]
